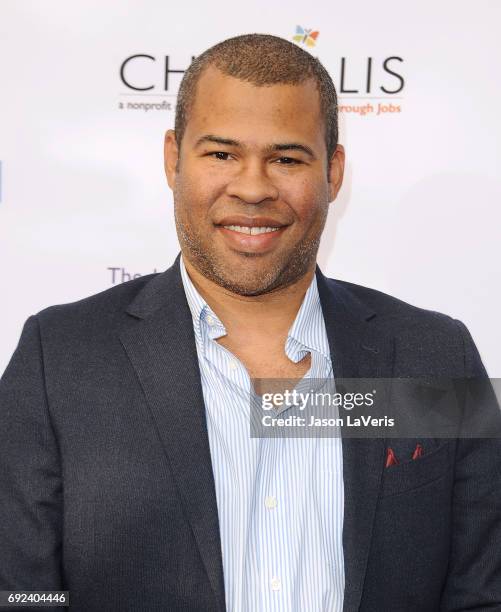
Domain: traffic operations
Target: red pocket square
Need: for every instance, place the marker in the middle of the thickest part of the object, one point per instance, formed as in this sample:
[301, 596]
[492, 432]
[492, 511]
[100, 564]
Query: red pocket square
[391, 458]
[418, 452]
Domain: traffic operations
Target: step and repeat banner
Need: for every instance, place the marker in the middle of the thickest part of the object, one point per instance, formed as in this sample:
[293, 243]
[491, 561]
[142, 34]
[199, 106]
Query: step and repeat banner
[89, 88]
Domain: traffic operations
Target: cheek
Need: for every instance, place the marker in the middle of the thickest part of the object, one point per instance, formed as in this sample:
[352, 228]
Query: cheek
[192, 196]
[309, 200]
[196, 188]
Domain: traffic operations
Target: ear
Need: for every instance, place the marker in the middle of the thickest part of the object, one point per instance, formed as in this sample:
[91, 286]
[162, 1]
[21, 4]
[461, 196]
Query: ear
[171, 156]
[336, 172]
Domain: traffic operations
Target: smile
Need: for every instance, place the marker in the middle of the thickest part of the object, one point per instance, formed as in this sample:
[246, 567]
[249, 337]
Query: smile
[251, 238]
[252, 231]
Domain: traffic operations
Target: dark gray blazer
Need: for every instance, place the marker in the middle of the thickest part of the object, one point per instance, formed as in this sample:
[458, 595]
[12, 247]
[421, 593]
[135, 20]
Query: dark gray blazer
[106, 486]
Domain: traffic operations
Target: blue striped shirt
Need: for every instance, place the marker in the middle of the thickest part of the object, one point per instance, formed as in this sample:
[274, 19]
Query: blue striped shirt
[280, 500]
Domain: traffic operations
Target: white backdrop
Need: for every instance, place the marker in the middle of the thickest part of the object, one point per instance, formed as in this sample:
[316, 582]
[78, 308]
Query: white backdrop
[82, 183]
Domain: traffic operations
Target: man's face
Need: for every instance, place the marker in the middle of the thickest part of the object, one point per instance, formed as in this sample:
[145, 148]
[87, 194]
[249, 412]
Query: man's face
[250, 182]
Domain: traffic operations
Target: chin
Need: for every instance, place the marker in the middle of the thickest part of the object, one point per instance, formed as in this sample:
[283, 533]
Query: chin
[245, 287]
[250, 274]
[253, 281]
[245, 278]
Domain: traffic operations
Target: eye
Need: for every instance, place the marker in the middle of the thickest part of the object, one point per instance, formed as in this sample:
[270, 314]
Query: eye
[220, 155]
[289, 161]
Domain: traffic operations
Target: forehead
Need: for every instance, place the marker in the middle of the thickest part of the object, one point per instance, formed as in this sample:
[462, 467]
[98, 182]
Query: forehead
[226, 104]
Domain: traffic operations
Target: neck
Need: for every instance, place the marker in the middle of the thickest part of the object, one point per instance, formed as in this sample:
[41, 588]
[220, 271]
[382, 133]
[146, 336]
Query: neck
[260, 315]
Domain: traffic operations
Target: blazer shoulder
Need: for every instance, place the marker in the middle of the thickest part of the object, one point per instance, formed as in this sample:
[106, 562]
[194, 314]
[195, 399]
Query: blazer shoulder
[391, 309]
[427, 339]
[106, 305]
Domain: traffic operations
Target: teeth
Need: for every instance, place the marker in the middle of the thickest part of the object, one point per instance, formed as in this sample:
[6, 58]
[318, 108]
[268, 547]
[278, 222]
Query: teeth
[253, 231]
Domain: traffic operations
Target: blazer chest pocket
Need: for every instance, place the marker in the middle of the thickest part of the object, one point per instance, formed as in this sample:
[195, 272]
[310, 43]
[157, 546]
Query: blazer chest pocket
[416, 473]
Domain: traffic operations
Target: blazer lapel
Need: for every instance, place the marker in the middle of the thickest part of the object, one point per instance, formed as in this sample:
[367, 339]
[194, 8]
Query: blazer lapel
[357, 351]
[160, 344]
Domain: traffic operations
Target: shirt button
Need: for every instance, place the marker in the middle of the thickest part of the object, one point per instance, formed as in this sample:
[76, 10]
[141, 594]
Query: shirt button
[210, 320]
[270, 502]
[275, 584]
[233, 365]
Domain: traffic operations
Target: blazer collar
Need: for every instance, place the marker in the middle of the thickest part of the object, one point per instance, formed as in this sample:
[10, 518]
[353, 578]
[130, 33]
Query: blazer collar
[162, 291]
[160, 344]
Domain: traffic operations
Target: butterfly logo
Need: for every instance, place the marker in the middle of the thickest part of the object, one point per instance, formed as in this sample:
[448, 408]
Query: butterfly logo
[305, 37]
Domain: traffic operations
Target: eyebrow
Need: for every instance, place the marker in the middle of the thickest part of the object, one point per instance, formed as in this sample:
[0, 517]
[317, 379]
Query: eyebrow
[285, 146]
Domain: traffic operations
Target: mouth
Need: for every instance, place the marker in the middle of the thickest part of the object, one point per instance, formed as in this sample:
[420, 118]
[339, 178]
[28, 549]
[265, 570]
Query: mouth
[250, 231]
[254, 235]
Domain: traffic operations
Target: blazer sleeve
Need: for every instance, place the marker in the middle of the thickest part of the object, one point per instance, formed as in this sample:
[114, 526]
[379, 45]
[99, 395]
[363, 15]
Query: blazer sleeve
[31, 493]
[474, 573]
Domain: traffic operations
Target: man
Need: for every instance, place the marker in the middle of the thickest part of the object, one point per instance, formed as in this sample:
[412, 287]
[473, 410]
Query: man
[128, 474]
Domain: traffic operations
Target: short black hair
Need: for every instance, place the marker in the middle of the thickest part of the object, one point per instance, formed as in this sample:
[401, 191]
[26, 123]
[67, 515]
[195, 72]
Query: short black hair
[261, 59]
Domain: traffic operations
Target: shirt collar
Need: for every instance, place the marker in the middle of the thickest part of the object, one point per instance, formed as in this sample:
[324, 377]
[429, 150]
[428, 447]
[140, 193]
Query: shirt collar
[308, 329]
[200, 310]
[306, 332]
[195, 301]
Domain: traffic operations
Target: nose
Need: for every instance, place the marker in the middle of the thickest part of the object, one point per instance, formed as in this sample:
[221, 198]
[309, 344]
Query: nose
[252, 184]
